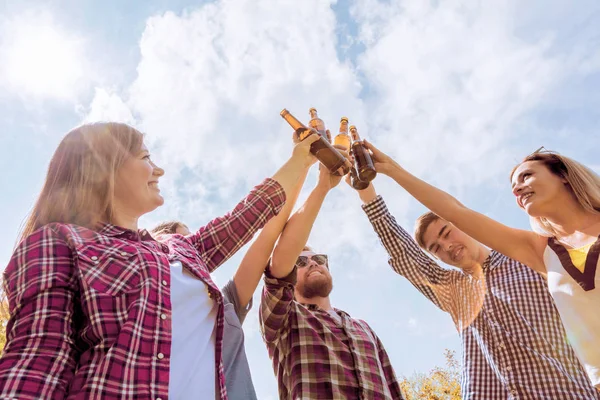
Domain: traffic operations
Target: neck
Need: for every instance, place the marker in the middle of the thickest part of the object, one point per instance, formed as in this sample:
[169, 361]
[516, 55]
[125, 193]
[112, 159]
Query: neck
[125, 220]
[484, 253]
[571, 217]
[321, 302]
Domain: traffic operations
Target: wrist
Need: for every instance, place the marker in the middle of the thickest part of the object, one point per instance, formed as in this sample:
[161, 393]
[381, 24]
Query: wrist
[321, 188]
[367, 195]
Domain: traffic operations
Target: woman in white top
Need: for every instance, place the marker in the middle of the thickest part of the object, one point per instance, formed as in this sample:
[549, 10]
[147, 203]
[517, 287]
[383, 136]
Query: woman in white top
[562, 198]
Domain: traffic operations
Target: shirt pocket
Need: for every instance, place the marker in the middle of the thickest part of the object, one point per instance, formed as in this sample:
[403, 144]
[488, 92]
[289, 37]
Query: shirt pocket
[114, 270]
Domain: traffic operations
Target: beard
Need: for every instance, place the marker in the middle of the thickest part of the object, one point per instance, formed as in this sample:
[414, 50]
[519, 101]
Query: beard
[315, 287]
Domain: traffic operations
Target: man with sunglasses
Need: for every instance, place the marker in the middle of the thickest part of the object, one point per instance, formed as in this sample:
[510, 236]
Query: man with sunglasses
[318, 351]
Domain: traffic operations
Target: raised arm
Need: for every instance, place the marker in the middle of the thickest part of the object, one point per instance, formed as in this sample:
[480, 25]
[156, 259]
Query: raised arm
[524, 246]
[39, 358]
[280, 276]
[255, 260]
[440, 285]
[297, 230]
[224, 236]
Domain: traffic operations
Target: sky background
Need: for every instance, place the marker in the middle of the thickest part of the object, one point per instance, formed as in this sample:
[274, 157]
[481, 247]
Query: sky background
[456, 91]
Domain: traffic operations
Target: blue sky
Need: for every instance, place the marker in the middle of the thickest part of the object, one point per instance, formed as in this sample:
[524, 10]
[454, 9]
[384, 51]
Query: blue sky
[456, 91]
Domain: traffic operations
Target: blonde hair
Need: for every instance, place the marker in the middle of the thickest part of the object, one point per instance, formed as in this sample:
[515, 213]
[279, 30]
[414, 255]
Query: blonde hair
[80, 182]
[583, 183]
[166, 228]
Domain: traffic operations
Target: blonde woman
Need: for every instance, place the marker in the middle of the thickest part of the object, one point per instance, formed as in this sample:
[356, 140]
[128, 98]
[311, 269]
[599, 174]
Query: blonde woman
[562, 198]
[94, 308]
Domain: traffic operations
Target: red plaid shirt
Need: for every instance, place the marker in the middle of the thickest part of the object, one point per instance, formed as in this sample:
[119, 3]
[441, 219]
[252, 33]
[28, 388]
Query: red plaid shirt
[316, 357]
[91, 311]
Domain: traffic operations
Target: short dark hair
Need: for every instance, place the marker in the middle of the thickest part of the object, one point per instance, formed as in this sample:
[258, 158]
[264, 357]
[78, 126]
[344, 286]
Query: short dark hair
[421, 226]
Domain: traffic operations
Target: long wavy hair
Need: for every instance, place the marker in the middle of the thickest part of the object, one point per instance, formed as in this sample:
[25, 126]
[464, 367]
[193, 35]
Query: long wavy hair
[79, 186]
[582, 182]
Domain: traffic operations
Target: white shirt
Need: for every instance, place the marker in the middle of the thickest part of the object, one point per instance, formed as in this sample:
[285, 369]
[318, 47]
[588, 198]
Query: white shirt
[194, 315]
[579, 310]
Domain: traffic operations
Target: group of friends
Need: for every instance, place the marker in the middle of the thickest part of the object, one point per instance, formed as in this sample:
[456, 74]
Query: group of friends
[100, 309]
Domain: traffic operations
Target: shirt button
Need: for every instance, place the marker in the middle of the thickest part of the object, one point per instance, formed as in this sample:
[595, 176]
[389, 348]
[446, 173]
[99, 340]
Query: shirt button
[508, 369]
[94, 258]
[163, 316]
[164, 282]
[124, 253]
[160, 356]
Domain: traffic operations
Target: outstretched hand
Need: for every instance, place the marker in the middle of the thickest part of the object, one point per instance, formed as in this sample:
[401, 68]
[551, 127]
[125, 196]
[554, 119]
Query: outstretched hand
[382, 162]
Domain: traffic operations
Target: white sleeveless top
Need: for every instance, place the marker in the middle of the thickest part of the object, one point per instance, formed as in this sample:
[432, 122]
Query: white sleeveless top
[577, 298]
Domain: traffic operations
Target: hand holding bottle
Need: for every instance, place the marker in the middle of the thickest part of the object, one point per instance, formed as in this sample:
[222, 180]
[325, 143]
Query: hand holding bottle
[382, 162]
[301, 151]
[328, 180]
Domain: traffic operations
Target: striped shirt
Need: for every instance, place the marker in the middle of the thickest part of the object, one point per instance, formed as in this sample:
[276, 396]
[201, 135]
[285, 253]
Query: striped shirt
[90, 311]
[513, 341]
[318, 356]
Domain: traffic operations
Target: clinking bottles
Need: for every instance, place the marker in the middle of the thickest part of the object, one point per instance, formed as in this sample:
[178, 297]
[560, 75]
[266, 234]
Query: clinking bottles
[363, 170]
[342, 138]
[322, 149]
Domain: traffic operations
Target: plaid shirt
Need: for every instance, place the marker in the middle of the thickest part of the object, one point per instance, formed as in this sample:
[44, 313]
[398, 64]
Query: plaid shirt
[90, 311]
[513, 340]
[316, 357]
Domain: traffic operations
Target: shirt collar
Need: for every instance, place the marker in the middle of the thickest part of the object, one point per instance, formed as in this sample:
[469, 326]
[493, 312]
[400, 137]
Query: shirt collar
[118, 231]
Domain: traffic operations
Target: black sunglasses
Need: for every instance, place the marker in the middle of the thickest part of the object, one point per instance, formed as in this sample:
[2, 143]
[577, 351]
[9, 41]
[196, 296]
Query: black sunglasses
[320, 259]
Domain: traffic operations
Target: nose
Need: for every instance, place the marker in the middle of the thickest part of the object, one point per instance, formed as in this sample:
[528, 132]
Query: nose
[517, 189]
[445, 244]
[157, 171]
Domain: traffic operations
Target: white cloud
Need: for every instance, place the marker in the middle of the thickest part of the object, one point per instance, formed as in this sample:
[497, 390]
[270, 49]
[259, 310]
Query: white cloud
[449, 82]
[40, 59]
[108, 106]
[212, 81]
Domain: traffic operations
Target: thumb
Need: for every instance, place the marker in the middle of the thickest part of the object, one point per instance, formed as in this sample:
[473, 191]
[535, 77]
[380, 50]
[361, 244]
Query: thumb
[311, 138]
[377, 154]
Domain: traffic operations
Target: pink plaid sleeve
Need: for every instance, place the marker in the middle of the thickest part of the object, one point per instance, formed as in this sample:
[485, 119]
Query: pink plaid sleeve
[388, 370]
[224, 236]
[39, 359]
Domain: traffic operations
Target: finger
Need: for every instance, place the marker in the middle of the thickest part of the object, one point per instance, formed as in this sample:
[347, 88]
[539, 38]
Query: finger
[374, 150]
[295, 138]
[311, 139]
[340, 147]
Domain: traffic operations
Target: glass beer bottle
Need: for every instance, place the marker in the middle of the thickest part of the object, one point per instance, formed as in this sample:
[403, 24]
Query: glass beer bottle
[322, 149]
[363, 162]
[316, 123]
[342, 138]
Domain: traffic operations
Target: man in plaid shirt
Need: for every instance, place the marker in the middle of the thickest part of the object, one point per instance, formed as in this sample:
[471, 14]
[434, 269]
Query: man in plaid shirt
[318, 352]
[513, 341]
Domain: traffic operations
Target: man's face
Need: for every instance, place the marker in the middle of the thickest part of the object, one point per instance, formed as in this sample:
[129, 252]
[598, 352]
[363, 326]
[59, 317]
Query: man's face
[451, 245]
[314, 279]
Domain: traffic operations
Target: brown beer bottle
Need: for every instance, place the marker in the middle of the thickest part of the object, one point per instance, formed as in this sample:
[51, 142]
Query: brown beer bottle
[316, 123]
[342, 138]
[322, 149]
[363, 162]
[355, 182]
